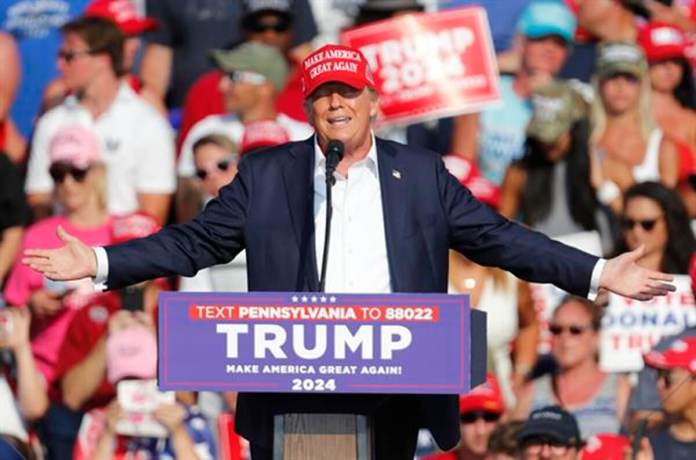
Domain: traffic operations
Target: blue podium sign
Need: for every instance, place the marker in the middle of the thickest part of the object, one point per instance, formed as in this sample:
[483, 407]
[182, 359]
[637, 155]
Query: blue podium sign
[316, 343]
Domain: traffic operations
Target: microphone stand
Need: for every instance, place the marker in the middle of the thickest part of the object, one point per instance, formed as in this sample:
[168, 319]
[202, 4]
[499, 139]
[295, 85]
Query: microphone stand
[334, 153]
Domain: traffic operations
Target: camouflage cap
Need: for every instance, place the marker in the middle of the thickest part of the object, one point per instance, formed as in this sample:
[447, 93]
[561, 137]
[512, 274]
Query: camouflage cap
[254, 57]
[556, 106]
[620, 58]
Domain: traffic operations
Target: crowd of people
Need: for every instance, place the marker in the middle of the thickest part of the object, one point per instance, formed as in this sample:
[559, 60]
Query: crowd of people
[118, 117]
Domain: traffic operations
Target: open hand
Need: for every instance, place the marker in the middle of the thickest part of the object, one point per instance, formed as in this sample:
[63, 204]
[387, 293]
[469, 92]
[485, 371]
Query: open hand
[623, 276]
[75, 260]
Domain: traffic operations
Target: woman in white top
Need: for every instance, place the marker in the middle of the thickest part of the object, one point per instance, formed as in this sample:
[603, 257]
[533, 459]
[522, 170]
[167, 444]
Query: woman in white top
[512, 324]
[627, 145]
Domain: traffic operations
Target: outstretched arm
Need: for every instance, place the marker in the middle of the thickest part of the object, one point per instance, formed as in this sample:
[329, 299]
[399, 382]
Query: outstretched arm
[215, 236]
[489, 239]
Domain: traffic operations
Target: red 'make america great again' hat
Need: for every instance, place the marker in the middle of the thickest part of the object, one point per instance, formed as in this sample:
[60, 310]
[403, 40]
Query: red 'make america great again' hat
[335, 63]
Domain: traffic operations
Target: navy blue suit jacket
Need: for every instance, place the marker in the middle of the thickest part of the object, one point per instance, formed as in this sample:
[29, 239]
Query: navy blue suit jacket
[268, 210]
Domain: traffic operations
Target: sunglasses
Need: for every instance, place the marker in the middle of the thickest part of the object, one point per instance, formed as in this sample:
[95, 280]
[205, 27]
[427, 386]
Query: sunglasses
[573, 329]
[471, 417]
[220, 166]
[60, 171]
[240, 76]
[646, 224]
[536, 445]
[279, 26]
[70, 55]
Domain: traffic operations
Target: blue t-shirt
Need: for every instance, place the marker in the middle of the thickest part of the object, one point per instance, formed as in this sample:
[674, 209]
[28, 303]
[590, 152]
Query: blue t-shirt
[667, 447]
[502, 132]
[35, 25]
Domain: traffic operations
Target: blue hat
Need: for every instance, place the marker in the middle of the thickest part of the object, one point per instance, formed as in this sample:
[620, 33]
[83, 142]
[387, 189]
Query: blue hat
[554, 423]
[547, 17]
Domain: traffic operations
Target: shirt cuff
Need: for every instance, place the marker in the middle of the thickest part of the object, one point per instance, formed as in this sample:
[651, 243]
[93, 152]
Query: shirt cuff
[102, 268]
[594, 280]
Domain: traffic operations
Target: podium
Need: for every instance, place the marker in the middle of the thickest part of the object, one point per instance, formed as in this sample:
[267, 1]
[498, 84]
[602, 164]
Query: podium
[351, 345]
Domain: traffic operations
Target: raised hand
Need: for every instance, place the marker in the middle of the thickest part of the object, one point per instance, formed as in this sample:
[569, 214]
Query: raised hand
[75, 260]
[623, 276]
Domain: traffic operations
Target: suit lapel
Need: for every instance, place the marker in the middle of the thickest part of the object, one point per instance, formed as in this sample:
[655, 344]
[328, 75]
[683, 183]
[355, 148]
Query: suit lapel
[393, 182]
[299, 186]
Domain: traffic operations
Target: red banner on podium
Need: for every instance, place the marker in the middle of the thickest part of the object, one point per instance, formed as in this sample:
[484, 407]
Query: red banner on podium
[429, 66]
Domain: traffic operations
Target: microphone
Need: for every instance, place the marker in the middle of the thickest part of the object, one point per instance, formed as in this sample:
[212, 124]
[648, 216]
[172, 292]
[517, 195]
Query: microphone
[334, 155]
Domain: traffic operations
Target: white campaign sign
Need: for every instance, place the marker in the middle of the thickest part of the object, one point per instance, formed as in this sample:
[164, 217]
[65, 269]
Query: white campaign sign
[631, 328]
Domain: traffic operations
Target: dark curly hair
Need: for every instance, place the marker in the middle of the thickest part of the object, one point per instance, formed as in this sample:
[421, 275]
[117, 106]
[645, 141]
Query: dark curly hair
[535, 203]
[680, 238]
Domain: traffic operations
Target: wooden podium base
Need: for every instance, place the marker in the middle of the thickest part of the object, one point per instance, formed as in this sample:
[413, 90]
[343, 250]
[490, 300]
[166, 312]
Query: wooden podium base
[322, 437]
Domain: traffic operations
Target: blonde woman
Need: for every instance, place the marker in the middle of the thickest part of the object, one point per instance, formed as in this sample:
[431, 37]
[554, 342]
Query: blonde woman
[78, 171]
[628, 147]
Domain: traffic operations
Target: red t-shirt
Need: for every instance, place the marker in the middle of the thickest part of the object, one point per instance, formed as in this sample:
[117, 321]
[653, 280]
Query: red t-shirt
[86, 329]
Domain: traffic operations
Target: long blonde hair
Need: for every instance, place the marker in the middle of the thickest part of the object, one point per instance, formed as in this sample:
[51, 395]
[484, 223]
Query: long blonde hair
[598, 112]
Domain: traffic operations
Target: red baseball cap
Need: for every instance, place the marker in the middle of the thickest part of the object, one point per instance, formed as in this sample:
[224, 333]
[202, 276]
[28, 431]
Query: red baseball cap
[662, 41]
[264, 133]
[337, 63]
[681, 354]
[123, 13]
[605, 446]
[485, 397]
[469, 176]
[130, 226]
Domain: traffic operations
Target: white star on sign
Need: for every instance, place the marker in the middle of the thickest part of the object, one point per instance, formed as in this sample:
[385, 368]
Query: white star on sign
[314, 298]
[323, 298]
[304, 298]
[295, 298]
[332, 299]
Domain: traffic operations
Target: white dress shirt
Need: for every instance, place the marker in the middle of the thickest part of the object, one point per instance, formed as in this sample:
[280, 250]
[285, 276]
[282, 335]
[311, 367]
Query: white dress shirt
[358, 261]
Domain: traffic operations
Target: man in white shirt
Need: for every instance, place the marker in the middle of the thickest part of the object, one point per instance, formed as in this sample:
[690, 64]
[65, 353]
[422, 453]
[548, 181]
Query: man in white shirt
[398, 212]
[137, 142]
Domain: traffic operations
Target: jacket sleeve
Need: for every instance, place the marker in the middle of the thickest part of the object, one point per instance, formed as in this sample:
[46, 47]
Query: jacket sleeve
[488, 238]
[213, 237]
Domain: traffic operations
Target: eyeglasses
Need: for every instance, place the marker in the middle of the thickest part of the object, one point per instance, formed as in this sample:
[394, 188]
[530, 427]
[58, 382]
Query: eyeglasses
[278, 26]
[573, 329]
[241, 76]
[534, 446]
[220, 166]
[59, 171]
[646, 224]
[70, 55]
[471, 417]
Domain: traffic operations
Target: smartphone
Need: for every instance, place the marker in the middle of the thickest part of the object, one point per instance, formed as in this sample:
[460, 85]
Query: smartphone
[139, 399]
[132, 298]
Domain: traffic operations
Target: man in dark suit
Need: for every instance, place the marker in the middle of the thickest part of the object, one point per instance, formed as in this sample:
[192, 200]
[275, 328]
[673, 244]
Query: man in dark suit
[397, 212]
